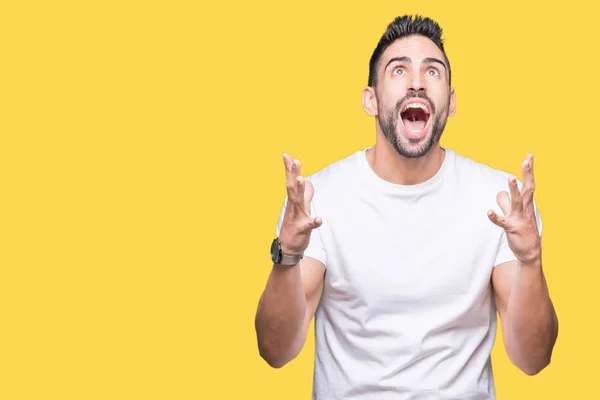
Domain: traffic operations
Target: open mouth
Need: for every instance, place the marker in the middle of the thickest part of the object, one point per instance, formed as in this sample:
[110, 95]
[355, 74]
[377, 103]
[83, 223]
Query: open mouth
[414, 117]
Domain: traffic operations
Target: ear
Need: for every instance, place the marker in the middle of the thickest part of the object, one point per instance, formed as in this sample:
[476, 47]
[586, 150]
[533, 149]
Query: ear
[369, 101]
[452, 102]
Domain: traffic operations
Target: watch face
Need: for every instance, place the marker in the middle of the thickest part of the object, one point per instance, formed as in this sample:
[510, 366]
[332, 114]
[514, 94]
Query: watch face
[275, 252]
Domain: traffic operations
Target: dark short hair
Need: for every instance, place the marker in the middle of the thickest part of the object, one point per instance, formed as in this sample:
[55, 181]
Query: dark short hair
[401, 27]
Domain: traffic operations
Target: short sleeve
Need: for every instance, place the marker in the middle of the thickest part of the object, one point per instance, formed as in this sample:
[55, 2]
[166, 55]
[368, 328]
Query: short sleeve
[315, 248]
[505, 254]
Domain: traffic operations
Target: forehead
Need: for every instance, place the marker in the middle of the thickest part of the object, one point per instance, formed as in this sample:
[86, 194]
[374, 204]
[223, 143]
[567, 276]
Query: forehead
[415, 47]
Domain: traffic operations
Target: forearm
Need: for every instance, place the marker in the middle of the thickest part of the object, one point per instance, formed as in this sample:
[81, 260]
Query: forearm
[280, 316]
[532, 325]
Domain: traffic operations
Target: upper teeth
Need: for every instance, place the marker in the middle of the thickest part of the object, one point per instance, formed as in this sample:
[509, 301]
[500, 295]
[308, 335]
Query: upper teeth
[416, 105]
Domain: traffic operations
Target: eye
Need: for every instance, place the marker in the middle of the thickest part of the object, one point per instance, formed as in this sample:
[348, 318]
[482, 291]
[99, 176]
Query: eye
[398, 70]
[432, 72]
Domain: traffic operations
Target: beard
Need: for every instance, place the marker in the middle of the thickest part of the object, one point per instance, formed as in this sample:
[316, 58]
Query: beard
[412, 148]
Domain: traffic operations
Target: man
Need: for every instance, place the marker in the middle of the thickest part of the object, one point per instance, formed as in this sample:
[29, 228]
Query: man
[404, 251]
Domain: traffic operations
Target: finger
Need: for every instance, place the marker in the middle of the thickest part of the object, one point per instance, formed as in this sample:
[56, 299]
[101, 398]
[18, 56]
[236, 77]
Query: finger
[289, 183]
[308, 195]
[516, 204]
[504, 202]
[497, 219]
[289, 165]
[292, 171]
[287, 160]
[300, 189]
[528, 182]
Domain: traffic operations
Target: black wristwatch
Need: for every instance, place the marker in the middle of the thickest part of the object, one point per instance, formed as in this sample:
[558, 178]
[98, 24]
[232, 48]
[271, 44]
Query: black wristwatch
[279, 258]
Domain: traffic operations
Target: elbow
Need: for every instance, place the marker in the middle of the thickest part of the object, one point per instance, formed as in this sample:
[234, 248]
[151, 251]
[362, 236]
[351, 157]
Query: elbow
[275, 354]
[274, 347]
[533, 361]
[530, 371]
[274, 362]
[533, 369]
[273, 359]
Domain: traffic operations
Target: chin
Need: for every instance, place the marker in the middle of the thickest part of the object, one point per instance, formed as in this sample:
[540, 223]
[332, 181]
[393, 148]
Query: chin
[409, 146]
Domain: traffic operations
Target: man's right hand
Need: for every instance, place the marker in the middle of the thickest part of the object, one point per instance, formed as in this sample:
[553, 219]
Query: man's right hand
[297, 223]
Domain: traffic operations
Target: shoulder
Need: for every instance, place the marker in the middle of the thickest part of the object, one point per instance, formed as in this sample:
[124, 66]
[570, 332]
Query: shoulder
[479, 174]
[335, 181]
[338, 171]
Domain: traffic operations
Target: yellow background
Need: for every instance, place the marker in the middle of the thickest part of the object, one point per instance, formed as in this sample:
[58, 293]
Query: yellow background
[141, 178]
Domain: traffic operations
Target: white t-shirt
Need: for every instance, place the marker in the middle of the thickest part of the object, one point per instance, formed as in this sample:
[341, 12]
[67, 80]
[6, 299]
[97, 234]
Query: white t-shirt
[407, 310]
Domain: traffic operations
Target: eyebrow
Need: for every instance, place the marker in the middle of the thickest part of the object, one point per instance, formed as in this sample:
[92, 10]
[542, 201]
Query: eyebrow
[397, 59]
[428, 60]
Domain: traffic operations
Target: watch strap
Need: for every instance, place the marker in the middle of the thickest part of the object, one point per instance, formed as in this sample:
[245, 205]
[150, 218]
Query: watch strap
[287, 259]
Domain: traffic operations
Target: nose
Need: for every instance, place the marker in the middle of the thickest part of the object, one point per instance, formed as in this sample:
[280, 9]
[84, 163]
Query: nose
[417, 83]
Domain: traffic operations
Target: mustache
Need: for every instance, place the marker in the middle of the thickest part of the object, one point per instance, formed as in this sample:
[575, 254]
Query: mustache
[412, 94]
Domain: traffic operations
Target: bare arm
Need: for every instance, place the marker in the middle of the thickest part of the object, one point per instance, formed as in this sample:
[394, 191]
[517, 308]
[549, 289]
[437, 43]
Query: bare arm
[529, 321]
[292, 293]
[286, 309]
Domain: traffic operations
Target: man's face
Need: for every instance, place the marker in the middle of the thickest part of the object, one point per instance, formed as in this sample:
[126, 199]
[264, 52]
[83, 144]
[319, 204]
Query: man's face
[414, 98]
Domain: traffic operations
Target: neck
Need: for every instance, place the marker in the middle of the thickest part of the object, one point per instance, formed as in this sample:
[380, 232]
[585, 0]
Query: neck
[394, 168]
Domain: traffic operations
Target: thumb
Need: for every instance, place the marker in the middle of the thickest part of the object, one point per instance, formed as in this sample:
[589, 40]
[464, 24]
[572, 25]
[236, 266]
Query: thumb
[312, 223]
[496, 219]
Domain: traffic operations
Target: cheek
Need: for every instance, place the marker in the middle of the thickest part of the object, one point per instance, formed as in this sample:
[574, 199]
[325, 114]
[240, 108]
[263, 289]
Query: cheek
[392, 93]
[390, 101]
[442, 101]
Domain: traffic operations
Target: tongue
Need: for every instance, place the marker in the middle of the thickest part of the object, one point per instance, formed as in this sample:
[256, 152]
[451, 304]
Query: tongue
[415, 125]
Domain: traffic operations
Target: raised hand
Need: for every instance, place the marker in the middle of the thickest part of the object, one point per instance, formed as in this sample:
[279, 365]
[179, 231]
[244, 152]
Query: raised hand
[297, 223]
[519, 221]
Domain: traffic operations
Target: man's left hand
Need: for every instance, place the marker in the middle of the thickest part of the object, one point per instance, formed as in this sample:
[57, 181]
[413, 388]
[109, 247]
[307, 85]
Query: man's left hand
[519, 220]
